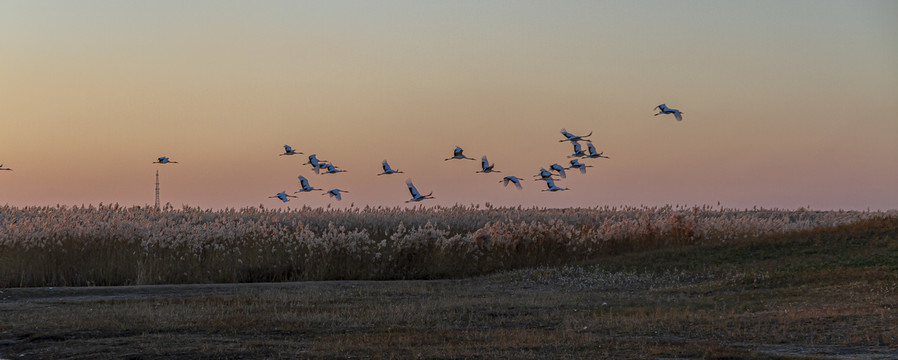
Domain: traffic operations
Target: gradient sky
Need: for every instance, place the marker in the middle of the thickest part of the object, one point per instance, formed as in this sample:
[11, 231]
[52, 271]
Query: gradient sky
[786, 103]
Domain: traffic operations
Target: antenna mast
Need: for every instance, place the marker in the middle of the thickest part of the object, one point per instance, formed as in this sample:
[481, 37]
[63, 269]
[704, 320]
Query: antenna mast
[157, 189]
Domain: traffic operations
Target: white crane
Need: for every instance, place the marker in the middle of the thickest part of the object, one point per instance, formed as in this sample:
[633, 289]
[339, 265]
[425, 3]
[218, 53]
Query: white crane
[416, 196]
[666, 110]
[543, 174]
[289, 151]
[458, 154]
[305, 185]
[315, 162]
[331, 169]
[336, 193]
[551, 186]
[559, 169]
[164, 160]
[283, 196]
[485, 165]
[3, 168]
[388, 170]
[592, 152]
[511, 179]
[576, 164]
[578, 150]
[572, 137]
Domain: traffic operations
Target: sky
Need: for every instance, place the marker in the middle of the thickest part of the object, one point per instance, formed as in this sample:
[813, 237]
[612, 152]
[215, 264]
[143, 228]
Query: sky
[786, 104]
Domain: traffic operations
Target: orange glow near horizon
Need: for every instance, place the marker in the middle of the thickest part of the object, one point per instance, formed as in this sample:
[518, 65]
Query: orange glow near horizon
[785, 105]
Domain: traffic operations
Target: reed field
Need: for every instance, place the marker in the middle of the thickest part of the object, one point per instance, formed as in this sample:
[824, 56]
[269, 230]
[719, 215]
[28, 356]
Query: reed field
[112, 245]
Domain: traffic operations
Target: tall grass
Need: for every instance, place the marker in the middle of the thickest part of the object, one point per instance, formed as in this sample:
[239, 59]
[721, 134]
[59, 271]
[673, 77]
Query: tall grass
[113, 245]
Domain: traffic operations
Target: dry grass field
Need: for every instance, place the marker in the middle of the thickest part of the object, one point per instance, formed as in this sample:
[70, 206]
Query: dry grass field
[111, 245]
[820, 293]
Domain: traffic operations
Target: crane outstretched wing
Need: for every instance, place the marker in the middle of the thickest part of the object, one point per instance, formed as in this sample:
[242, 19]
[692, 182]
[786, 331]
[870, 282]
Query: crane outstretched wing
[303, 182]
[566, 134]
[412, 189]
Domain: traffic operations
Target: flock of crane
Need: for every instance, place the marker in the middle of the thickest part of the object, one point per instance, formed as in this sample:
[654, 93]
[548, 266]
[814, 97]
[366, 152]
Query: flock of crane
[548, 176]
[322, 166]
[325, 167]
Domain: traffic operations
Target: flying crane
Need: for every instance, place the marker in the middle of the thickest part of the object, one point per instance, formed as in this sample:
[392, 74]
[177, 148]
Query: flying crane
[289, 151]
[331, 169]
[485, 165]
[578, 150]
[559, 169]
[458, 154]
[388, 170]
[416, 196]
[512, 179]
[551, 186]
[571, 137]
[304, 183]
[164, 160]
[282, 196]
[315, 162]
[592, 152]
[543, 174]
[336, 193]
[666, 110]
[576, 164]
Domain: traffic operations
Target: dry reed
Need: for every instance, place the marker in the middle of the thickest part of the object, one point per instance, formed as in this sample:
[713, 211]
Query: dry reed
[113, 245]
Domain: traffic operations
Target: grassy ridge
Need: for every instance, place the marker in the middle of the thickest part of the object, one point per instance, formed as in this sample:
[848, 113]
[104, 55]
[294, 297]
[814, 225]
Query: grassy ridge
[871, 243]
[821, 292]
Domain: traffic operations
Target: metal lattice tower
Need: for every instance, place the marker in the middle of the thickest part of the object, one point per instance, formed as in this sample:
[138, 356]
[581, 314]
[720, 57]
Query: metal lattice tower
[157, 189]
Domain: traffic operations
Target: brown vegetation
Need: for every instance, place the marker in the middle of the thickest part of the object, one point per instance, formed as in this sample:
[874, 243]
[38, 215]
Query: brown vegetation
[112, 245]
[827, 293]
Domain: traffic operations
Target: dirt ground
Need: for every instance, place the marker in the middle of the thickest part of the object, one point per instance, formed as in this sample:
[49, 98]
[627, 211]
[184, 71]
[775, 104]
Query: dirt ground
[493, 317]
